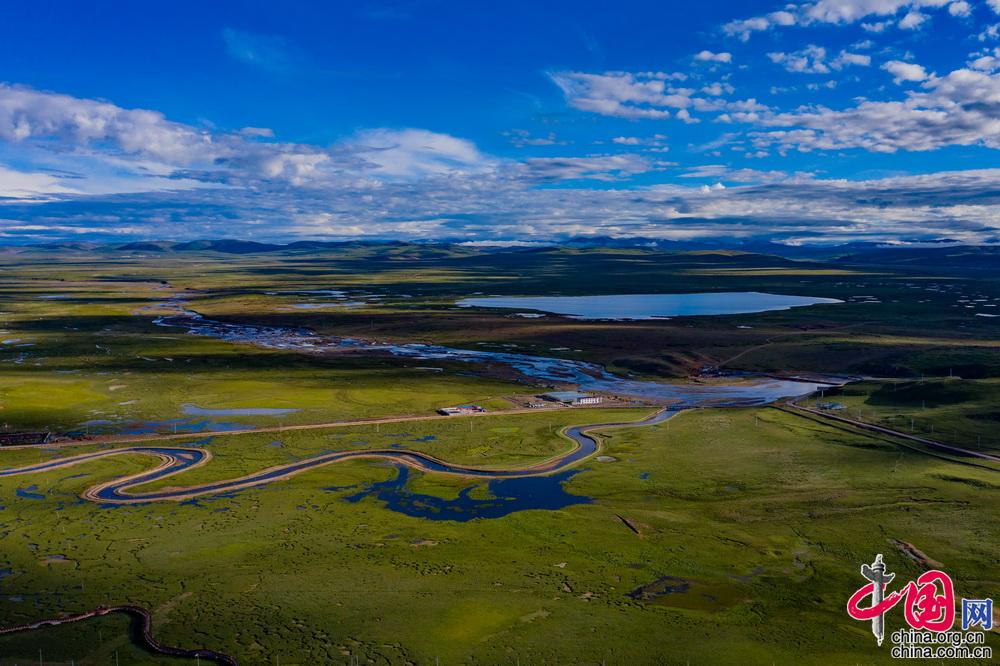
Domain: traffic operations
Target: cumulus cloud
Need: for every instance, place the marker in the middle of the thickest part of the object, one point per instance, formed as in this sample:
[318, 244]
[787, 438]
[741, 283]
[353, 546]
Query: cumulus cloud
[961, 108]
[418, 184]
[905, 71]
[623, 94]
[912, 20]
[656, 143]
[147, 144]
[988, 61]
[709, 56]
[960, 8]
[840, 12]
[29, 114]
[813, 60]
[845, 59]
[505, 204]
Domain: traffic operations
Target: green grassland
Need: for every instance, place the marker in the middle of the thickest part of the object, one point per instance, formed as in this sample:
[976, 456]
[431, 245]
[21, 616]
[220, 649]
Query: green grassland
[98, 357]
[766, 515]
[922, 323]
[963, 412]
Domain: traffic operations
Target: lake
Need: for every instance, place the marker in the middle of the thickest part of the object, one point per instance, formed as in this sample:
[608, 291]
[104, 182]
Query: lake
[650, 306]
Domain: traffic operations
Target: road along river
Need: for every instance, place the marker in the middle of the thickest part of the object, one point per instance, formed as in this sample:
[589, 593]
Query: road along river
[176, 460]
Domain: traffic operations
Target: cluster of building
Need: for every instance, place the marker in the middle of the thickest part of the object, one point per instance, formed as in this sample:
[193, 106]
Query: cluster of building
[571, 398]
[461, 409]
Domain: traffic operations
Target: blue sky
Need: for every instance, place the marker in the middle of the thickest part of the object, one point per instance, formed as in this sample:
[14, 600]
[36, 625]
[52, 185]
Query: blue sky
[814, 122]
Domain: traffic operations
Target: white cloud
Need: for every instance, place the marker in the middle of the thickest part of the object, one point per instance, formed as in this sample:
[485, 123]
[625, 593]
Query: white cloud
[685, 116]
[656, 143]
[30, 185]
[414, 183]
[989, 32]
[623, 94]
[708, 56]
[988, 61]
[258, 132]
[840, 12]
[876, 27]
[905, 71]
[724, 172]
[912, 20]
[960, 8]
[593, 167]
[717, 89]
[29, 114]
[845, 59]
[146, 149]
[743, 28]
[505, 204]
[521, 138]
[813, 60]
[808, 60]
[411, 153]
[962, 108]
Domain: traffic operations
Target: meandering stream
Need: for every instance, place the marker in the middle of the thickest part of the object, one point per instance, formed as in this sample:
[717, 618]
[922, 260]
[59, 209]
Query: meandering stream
[176, 460]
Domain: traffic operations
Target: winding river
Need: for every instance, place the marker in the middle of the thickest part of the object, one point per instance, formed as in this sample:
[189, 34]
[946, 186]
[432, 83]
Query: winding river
[173, 461]
[176, 460]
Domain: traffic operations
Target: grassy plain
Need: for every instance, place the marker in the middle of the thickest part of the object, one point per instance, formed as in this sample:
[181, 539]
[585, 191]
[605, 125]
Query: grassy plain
[766, 515]
[963, 412]
[895, 321]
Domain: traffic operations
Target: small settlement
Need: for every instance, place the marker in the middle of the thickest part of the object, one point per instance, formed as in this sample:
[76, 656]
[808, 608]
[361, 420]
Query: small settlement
[461, 409]
[573, 398]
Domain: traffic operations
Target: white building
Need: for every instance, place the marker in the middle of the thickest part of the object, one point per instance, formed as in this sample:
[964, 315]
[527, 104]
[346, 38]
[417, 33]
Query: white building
[573, 398]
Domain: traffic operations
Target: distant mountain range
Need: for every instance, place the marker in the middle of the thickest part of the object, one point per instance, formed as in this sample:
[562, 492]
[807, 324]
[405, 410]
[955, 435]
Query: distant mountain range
[923, 254]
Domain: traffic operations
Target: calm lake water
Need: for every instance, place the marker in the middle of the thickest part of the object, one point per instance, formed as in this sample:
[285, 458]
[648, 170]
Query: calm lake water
[649, 306]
